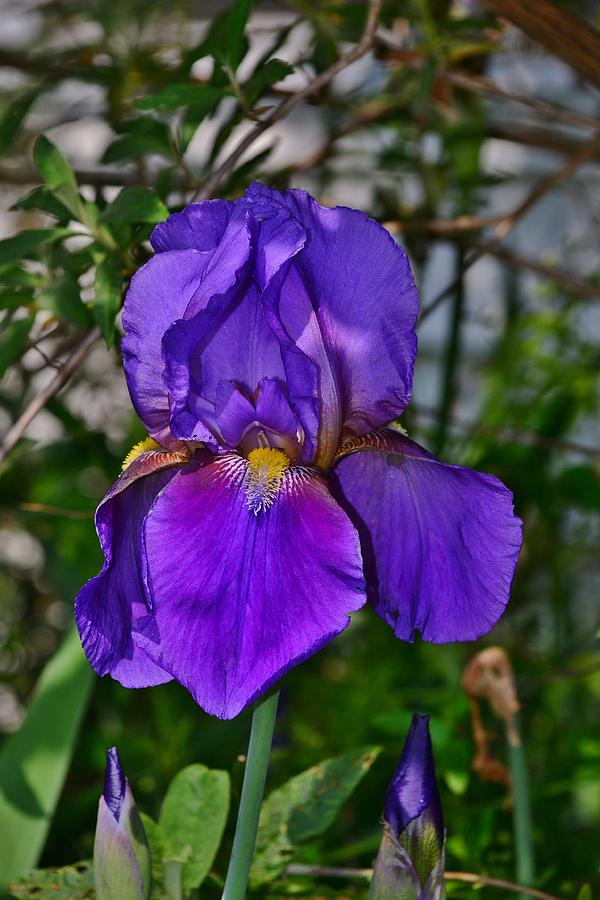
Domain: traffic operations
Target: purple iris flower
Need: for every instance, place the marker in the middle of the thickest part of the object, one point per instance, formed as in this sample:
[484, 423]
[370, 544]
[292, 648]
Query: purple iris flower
[411, 858]
[268, 343]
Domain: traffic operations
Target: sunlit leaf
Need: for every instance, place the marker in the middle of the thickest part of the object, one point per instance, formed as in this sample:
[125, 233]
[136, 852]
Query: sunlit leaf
[34, 761]
[303, 807]
[192, 820]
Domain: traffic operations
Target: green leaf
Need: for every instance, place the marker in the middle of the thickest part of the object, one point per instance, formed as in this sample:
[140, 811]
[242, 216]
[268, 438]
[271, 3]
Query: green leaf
[158, 847]
[60, 178]
[136, 204]
[585, 892]
[74, 882]
[64, 300]
[108, 287]
[43, 198]
[143, 136]
[272, 71]
[52, 165]
[35, 761]
[24, 243]
[303, 807]
[12, 340]
[237, 18]
[12, 117]
[174, 96]
[192, 819]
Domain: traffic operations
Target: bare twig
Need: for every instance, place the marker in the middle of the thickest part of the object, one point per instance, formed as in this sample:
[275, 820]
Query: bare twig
[210, 185]
[488, 881]
[554, 111]
[509, 435]
[45, 509]
[560, 31]
[14, 434]
[543, 187]
[469, 877]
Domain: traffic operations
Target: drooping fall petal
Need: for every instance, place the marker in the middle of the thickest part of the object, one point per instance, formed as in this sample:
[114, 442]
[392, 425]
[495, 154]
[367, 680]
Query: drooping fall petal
[440, 542]
[239, 597]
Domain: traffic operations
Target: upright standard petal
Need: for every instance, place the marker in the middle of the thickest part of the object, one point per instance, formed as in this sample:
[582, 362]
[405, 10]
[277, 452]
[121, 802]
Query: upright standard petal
[158, 295]
[239, 597]
[229, 341]
[200, 226]
[349, 303]
[440, 542]
[107, 606]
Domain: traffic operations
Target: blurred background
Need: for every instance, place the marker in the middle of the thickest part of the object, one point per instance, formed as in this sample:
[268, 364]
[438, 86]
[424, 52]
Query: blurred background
[472, 131]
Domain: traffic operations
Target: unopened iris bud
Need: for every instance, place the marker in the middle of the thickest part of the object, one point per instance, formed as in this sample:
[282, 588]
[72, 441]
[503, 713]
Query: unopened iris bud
[411, 858]
[122, 866]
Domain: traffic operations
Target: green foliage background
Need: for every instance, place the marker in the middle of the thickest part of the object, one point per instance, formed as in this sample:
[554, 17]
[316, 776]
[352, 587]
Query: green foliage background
[534, 391]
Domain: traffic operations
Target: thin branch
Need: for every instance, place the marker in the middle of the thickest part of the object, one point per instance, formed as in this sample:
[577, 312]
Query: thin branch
[566, 35]
[469, 877]
[55, 511]
[15, 433]
[543, 187]
[211, 184]
[554, 111]
[487, 881]
[569, 282]
[508, 435]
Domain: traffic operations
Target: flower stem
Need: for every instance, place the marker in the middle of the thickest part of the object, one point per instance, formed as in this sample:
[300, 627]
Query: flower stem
[522, 823]
[257, 762]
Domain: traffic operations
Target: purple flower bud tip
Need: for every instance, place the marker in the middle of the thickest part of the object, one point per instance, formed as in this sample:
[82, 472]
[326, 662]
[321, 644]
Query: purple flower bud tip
[115, 783]
[413, 789]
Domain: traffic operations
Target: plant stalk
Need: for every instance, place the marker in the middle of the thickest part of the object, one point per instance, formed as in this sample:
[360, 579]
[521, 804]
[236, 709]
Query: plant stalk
[257, 762]
[522, 821]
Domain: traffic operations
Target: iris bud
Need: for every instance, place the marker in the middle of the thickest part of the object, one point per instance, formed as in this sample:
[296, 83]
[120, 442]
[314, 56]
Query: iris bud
[122, 866]
[411, 858]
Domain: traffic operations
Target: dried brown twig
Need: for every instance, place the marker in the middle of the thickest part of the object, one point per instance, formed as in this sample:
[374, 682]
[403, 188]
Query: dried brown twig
[15, 433]
[469, 877]
[210, 185]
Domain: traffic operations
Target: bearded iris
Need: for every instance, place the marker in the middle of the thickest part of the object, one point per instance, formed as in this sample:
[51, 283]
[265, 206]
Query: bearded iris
[269, 342]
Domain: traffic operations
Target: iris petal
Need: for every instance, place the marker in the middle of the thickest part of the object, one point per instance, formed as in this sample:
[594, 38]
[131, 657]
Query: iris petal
[107, 606]
[349, 302]
[440, 542]
[239, 598]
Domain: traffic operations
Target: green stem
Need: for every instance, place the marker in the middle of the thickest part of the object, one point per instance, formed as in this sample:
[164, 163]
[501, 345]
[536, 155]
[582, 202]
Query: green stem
[257, 762]
[522, 823]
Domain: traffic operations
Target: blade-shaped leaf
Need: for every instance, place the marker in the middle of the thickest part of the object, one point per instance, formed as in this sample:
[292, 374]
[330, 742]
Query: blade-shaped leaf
[303, 807]
[34, 761]
[192, 820]
[108, 287]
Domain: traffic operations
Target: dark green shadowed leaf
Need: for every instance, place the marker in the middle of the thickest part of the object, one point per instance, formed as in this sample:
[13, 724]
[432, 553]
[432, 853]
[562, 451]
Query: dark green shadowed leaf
[43, 198]
[304, 807]
[13, 116]
[192, 820]
[274, 70]
[12, 340]
[108, 286]
[64, 300]
[236, 25]
[136, 204]
[177, 95]
[34, 762]
[24, 243]
[52, 165]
